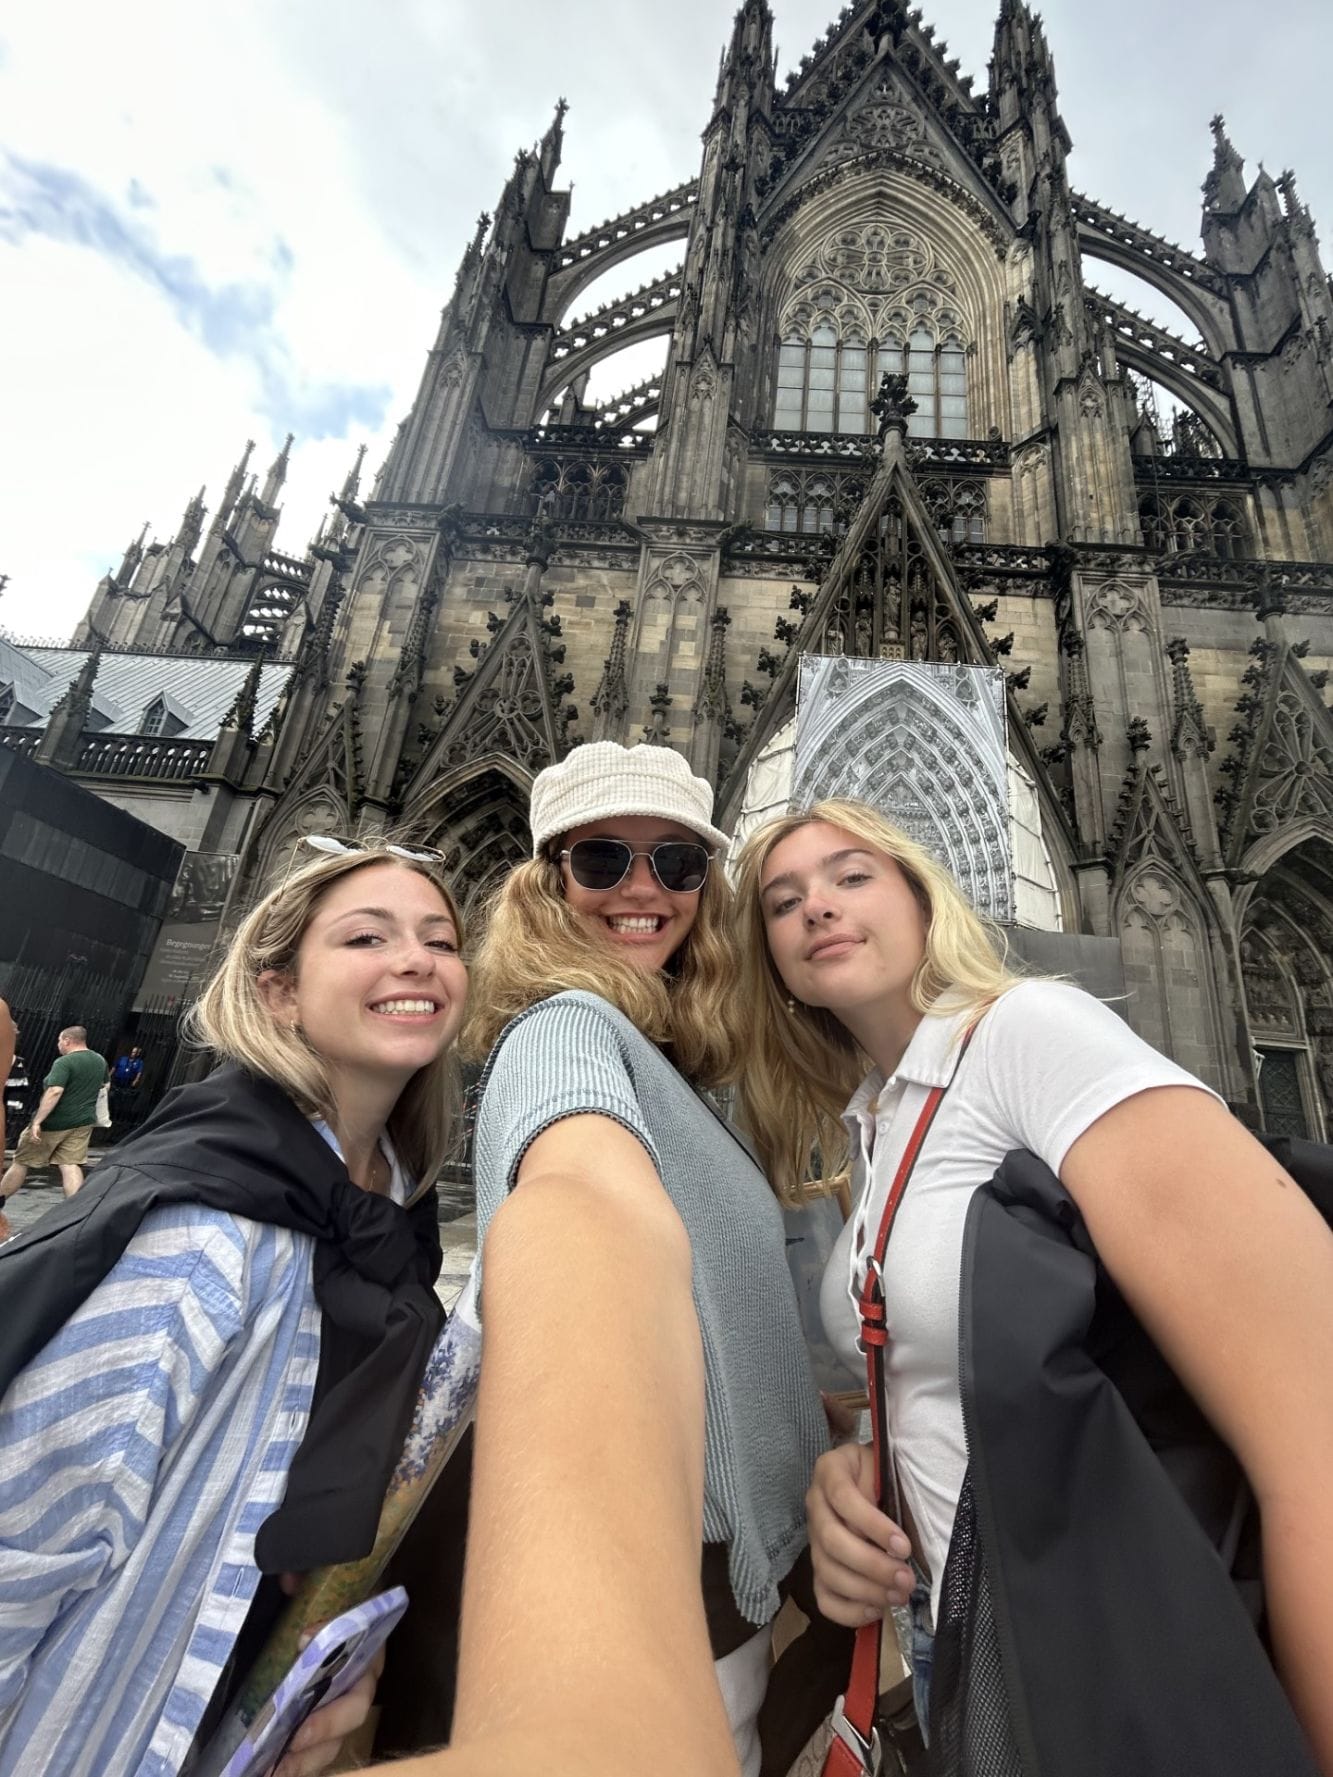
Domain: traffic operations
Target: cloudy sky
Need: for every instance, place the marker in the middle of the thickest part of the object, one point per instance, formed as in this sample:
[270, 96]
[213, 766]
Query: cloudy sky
[231, 222]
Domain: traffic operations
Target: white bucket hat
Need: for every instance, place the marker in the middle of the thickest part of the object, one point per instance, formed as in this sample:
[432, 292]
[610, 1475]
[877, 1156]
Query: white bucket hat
[603, 779]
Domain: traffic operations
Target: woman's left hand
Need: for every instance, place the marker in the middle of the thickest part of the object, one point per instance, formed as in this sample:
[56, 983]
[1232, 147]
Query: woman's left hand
[319, 1740]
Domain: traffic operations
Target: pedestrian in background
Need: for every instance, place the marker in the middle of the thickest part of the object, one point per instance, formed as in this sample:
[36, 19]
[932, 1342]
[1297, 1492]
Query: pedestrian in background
[128, 1070]
[126, 1082]
[66, 1115]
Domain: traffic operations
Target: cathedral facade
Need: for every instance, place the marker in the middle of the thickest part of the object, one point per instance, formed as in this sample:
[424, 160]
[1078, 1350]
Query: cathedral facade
[530, 568]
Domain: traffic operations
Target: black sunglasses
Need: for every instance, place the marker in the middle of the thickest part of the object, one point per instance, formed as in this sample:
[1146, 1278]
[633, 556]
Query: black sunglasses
[680, 866]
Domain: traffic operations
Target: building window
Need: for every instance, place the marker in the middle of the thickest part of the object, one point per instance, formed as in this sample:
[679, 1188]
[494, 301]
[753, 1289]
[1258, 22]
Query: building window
[806, 501]
[1188, 524]
[571, 489]
[154, 718]
[824, 380]
[958, 508]
[1280, 1093]
[6, 701]
[1228, 532]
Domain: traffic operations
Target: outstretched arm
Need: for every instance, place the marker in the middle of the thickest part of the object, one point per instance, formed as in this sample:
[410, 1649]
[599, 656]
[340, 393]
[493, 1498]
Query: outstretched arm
[1230, 1267]
[585, 1652]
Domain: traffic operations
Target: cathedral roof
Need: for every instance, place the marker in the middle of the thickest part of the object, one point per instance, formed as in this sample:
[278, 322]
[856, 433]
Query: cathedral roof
[197, 692]
[29, 682]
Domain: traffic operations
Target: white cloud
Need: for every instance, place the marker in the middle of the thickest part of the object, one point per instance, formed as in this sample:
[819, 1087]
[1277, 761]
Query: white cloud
[325, 161]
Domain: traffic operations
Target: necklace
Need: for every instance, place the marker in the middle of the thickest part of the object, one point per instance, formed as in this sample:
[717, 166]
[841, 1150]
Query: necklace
[379, 1173]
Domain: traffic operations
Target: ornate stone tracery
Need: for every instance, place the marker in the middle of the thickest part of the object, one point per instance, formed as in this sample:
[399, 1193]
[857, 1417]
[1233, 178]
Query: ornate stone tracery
[1116, 606]
[1295, 769]
[1287, 971]
[575, 488]
[874, 259]
[1184, 524]
[868, 301]
[915, 748]
[677, 578]
[887, 119]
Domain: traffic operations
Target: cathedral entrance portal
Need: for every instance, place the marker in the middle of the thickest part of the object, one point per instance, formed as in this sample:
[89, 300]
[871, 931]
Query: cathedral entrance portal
[480, 820]
[1287, 958]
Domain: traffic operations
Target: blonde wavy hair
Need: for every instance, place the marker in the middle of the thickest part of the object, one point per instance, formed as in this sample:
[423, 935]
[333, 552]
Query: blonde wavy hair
[801, 1064]
[232, 1018]
[536, 945]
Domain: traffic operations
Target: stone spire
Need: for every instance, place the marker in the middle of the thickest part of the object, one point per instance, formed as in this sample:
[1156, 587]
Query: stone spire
[553, 142]
[352, 485]
[1192, 741]
[241, 715]
[192, 524]
[747, 62]
[63, 733]
[712, 709]
[1224, 188]
[133, 556]
[277, 474]
[610, 700]
[232, 492]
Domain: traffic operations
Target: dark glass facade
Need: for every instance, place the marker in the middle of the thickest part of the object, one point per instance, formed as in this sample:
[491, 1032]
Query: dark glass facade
[83, 890]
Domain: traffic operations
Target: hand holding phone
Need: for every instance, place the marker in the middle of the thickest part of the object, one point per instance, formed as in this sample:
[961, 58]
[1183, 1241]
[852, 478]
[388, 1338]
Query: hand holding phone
[336, 1657]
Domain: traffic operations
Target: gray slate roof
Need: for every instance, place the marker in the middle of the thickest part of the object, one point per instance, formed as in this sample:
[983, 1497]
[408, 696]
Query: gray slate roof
[202, 689]
[31, 682]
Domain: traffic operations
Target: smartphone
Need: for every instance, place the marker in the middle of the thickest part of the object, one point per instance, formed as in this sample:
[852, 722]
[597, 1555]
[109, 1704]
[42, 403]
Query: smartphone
[334, 1660]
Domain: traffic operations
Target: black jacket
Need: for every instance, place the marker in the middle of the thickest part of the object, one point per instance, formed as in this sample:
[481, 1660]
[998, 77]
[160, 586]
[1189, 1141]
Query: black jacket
[1101, 1605]
[235, 1142]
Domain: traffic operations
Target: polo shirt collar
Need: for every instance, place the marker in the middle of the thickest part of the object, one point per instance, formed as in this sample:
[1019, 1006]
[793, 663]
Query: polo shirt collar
[930, 1059]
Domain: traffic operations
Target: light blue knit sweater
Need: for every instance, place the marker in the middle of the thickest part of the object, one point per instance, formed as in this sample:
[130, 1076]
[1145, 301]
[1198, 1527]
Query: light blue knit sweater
[574, 1053]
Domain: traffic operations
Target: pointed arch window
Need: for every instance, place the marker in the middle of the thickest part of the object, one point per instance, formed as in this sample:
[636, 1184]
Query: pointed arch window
[1228, 532]
[1183, 524]
[572, 489]
[824, 381]
[1188, 528]
[154, 718]
[6, 701]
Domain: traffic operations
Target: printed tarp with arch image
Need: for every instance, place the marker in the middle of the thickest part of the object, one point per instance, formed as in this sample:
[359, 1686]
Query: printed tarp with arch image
[924, 743]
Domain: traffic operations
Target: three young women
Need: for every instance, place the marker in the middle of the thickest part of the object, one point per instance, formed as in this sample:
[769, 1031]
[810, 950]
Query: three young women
[604, 996]
[1077, 1612]
[234, 1312]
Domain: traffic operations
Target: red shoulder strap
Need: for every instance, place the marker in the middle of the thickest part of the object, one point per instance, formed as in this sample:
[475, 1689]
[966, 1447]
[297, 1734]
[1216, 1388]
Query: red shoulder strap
[855, 1750]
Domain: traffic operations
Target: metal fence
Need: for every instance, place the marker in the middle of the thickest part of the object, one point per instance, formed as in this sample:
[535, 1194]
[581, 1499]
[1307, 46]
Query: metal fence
[44, 1002]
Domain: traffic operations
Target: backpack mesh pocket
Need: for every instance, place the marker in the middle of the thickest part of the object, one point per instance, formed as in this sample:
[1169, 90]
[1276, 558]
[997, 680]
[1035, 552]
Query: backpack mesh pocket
[970, 1729]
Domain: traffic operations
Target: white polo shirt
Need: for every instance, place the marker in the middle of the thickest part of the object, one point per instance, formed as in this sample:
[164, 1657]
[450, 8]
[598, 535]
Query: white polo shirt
[1046, 1062]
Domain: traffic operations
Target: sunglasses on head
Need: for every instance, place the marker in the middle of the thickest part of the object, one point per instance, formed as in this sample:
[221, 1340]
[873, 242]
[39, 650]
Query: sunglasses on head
[680, 865]
[325, 842]
[425, 854]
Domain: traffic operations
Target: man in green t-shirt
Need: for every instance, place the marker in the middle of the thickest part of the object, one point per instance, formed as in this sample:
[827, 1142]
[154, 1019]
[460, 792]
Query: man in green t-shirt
[58, 1134]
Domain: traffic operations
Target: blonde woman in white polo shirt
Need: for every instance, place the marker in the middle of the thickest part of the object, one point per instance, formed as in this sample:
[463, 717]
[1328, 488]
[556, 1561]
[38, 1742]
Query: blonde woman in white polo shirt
[1080, 1210]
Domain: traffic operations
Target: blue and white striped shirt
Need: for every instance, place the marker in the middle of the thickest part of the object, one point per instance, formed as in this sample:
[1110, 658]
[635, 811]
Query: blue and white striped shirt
[141, 1451]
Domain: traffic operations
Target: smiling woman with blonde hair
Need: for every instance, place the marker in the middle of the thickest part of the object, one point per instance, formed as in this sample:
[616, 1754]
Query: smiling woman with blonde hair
[605, 1001]
[210, 1356]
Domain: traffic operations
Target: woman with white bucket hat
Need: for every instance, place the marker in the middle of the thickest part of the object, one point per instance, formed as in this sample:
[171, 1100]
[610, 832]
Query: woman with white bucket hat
[604, 996]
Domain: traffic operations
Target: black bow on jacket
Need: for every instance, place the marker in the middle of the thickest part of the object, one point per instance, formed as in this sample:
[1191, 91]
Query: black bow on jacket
[236, 1142]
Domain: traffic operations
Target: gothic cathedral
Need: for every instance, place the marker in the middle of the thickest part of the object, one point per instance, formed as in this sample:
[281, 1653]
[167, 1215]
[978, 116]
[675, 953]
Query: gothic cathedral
[1135, 524]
